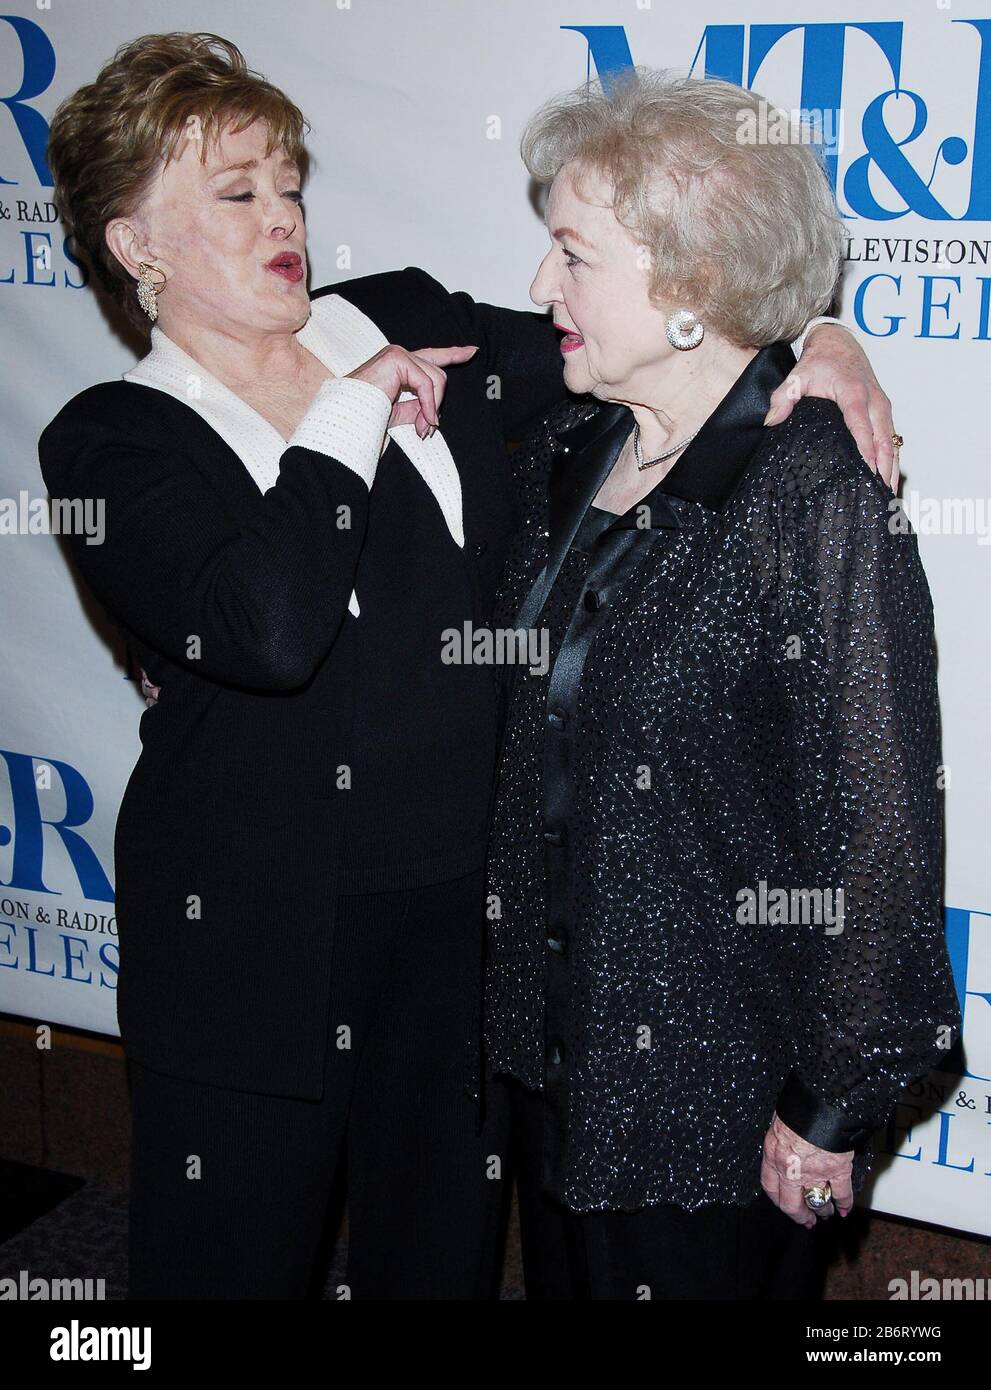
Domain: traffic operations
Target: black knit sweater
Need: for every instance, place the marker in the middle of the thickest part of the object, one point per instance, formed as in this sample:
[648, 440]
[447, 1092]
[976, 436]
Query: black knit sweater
[236, 800]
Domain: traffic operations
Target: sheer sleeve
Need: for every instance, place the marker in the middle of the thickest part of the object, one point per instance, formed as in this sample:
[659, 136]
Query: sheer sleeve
[875, 1002]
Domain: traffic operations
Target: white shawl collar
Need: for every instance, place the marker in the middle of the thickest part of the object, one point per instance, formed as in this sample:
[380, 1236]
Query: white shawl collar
[342, 337]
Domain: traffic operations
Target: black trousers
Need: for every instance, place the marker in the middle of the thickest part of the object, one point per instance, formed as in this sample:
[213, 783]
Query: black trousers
[230, 1189]
[657, 1252]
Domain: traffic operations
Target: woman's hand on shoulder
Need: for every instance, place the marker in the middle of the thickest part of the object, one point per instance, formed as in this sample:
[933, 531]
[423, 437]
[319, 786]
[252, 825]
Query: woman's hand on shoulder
[835, 366]
[394, 370]
[148, 690]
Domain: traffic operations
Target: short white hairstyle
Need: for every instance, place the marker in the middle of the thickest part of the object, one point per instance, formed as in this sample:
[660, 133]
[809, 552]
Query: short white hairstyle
[745, 233]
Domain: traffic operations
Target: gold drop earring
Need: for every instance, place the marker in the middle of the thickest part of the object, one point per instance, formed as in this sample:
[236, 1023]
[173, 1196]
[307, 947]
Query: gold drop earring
[149, 289]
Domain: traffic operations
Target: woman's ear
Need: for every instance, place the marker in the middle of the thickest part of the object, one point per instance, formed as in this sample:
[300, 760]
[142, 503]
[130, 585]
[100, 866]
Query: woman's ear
[126, 244]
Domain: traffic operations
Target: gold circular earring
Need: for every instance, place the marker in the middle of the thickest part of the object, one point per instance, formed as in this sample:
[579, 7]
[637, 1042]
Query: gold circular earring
[149, 289]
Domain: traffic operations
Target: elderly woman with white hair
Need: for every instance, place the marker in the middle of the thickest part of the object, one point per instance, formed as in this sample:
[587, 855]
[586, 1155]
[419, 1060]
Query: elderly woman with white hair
[715, 953]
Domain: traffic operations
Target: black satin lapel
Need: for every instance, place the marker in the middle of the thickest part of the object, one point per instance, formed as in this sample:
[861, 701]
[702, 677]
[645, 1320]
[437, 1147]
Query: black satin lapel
[712, 467]
[655, 512]
[584, 461]
[586, 455]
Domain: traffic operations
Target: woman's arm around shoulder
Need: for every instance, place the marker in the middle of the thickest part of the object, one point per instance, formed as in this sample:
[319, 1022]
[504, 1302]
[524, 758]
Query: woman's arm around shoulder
[524, 373]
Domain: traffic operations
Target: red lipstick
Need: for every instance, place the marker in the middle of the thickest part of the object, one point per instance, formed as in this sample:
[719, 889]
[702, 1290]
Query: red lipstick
[571, 340]
[288, 264]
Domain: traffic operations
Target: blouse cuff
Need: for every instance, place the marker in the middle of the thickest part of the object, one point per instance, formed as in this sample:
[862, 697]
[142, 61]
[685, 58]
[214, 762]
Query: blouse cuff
[818, 1122]
[347, 420]
[799, 343]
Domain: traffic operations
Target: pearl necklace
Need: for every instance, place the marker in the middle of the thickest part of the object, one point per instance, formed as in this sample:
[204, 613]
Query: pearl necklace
[643, 463]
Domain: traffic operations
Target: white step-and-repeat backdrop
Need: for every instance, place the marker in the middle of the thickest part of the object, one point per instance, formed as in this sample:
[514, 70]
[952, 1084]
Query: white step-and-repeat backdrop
[416, 108]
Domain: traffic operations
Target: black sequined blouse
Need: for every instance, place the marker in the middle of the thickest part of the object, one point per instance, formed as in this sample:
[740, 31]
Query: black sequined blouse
[740, 711]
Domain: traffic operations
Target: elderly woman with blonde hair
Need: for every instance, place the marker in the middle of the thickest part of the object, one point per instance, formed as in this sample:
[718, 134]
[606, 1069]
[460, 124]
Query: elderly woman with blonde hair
[715, 951]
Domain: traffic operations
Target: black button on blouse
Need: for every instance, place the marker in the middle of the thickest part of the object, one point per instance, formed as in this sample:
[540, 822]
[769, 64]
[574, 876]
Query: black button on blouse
[605, 546]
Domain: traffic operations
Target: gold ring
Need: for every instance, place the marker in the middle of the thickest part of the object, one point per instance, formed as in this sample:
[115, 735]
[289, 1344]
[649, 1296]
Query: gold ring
[897, 440]
[817, 1197]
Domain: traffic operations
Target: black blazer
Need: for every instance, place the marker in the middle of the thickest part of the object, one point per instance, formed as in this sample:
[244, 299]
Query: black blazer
[228, 834]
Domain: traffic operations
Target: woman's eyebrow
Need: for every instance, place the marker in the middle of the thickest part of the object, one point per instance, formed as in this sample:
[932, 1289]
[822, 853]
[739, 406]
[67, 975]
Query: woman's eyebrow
[286, 163]
[229, 168]
[570, 231]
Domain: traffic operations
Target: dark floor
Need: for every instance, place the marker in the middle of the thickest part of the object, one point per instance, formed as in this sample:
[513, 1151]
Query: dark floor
[64, 1171]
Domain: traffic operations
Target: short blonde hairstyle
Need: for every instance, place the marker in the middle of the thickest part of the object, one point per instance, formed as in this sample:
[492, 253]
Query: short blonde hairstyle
[746, 234]
[108, 138]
